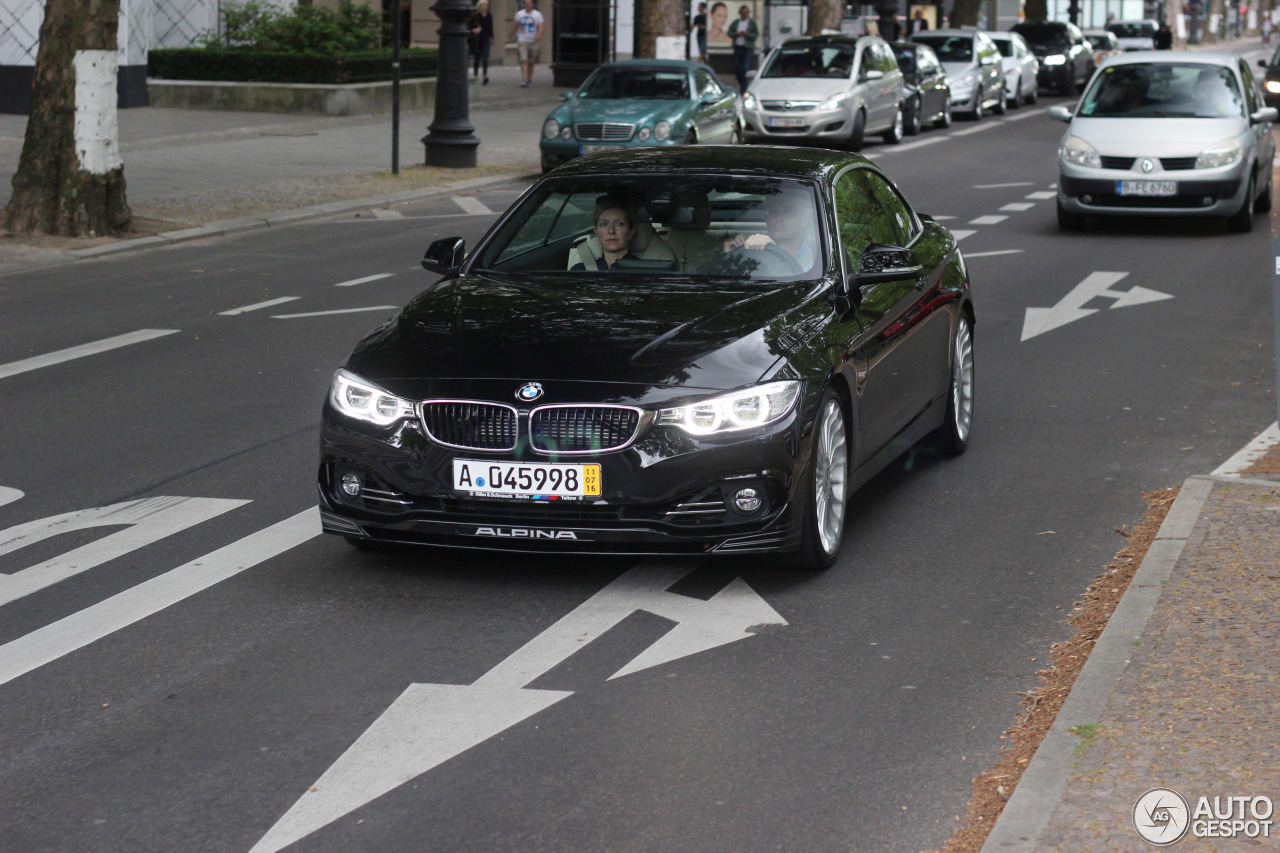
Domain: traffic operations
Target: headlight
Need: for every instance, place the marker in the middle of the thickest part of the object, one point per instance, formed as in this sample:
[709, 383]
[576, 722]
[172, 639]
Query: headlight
[1273, 86]
[1218, 154]
[834, 101]
[662, 130]
[364, 401]
[1056, 59]
[1076, 150]
[747, 409]
[643, 134]
[749, 102]
[551, 129]
[566, 132]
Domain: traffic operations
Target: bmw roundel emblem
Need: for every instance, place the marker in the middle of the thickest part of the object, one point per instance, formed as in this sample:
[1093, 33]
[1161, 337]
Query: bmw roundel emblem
[529, 392]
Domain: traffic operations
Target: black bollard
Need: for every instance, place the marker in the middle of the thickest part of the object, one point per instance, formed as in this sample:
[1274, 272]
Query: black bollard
[451, 140]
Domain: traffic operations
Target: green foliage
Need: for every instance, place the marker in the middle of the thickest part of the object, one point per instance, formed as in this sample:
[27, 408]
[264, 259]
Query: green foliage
[252, 66]
[301, 29]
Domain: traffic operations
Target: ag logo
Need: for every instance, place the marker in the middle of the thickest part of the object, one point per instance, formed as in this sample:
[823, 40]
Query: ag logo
[1161, 817]
[1148, 166]
[529, 392]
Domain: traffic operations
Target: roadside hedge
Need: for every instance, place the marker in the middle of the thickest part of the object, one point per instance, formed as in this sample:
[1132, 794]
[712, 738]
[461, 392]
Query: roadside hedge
[251, 66]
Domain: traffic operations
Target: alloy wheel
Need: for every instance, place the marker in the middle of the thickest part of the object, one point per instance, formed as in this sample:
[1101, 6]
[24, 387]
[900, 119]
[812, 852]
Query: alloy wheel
[830, 460]
[962, 381]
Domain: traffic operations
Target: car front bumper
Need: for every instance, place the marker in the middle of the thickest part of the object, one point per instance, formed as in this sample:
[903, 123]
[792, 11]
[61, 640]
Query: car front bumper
[1200, 192]
[808, 126]
[557, 151]
[667, 493]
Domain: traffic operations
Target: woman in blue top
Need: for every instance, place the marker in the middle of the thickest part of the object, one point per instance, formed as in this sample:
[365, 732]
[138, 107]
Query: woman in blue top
[614, 228]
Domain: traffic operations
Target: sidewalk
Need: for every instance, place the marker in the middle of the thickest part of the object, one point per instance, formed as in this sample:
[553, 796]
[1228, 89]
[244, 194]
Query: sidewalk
[1181, 691]
[200, 173]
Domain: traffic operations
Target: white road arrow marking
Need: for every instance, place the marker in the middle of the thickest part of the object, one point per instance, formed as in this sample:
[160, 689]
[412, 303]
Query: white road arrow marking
[8, 495]
[147, 521]
[1071, 307]
[431, 723]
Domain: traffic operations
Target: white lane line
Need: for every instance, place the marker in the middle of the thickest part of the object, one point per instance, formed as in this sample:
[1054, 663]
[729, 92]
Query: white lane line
[78, 630]
[976, 129]
[257, 305]
[1041, 195]
[364, 280]
[969, 255]
[1004, 186]
[471, 204]
[332, 313]
[911, 146]
[1018, 206]
[941, 218]
[960, 234]
[988, 220]
[13, 368]
[1020, 116]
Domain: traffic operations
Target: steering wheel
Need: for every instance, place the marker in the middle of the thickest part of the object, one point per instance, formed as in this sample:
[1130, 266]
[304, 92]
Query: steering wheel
[771, 257]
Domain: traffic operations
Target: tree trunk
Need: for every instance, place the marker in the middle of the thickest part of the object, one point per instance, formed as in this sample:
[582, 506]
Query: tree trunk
[656, 18]
[824, 15]
[70, 178]
[965, 12]
[1037, 10]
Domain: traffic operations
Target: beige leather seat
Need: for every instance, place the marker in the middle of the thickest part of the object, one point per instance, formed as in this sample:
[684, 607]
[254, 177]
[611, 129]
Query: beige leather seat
[687, 232]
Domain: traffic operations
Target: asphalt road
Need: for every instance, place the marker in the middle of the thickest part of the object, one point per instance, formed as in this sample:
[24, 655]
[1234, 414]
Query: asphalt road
[178, 675]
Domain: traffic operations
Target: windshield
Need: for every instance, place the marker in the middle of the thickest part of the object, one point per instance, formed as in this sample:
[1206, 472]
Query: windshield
[1163, 90]
[675, 225]
[949, 48]
[1099, 42]
[1039, 35]
[817, 60]
[906, 59]
[641, 83]
[1133, 31]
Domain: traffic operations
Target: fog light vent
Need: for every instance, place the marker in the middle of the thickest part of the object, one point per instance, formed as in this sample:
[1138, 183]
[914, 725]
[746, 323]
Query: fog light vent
[350, 484]
[1207, 201]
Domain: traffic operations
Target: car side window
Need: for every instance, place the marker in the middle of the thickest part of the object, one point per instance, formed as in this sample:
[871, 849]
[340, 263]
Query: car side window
[888, 62]
[1252, 96]
[869, 211]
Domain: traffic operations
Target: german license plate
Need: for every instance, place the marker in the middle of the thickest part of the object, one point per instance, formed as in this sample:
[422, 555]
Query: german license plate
[1157, 188]
[526, 480]
[587, 149]
[785, 122]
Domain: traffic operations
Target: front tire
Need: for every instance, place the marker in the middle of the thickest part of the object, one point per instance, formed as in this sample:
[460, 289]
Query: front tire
[946, 118]
[977, 106]
[913, 121]
[1001, 105]
[955, 432]
[893, 135]
[826, 487]
[859, 129]
[1242, 222]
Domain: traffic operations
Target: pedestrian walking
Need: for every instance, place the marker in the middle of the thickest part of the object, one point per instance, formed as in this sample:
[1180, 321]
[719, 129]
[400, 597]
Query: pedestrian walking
[1266, 28]
[1164, 37]
[526, 32]
[481, 26]
[699, 29]
[743, 33]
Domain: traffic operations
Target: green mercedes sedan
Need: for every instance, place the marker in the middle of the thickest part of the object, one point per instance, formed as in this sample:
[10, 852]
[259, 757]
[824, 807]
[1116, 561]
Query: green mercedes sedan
[641, 103]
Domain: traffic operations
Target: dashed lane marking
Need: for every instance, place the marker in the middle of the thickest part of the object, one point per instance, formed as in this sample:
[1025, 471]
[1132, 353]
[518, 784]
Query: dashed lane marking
[960, 233]
[258, 305]
[1042, 195]
[332, 313]
[988, 220]
[471, 204]
[364, 280]
[969, 255]
[976, 129]
[1004, 186]
[1018, 206]
[13, 368]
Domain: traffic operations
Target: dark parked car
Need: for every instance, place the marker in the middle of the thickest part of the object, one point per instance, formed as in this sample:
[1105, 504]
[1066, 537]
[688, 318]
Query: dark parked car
[1271, 80]
[802, 329]
[1065, 57]
[928, 88]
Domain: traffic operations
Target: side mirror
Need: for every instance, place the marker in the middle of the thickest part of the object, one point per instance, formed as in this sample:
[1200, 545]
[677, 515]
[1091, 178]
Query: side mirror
[885, 263]
[445, 256]
[1060, 114]
[709, 98]
[1266, 114]
[567, 96]
[873, 75]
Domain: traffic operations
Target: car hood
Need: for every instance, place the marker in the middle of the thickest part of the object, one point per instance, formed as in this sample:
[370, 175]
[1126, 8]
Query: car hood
[798, 88]
[621, 110]
[959, 70]
[1154, 137]
[638, 331]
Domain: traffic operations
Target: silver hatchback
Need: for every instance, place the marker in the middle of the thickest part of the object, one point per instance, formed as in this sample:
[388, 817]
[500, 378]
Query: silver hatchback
[1156, 135]
[830, 90]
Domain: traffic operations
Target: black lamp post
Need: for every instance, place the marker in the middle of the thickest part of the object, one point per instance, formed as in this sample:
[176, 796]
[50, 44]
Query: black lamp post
[450, 140]
[887, 10]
